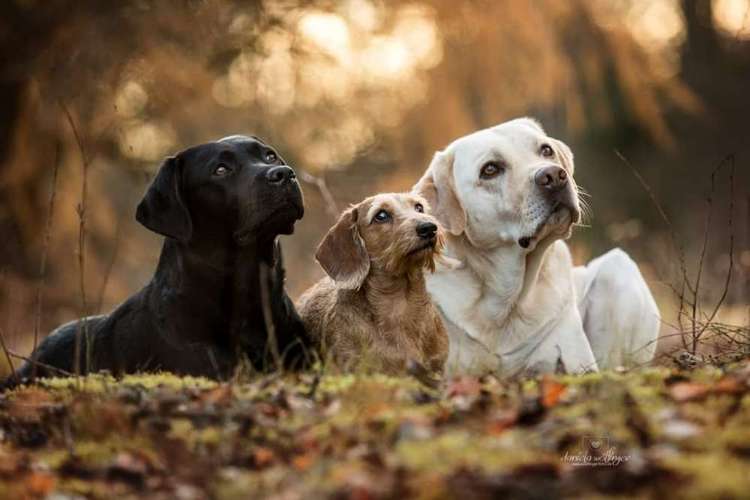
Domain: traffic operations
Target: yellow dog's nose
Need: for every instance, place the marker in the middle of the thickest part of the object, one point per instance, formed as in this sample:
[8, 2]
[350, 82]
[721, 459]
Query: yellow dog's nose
[552, 178]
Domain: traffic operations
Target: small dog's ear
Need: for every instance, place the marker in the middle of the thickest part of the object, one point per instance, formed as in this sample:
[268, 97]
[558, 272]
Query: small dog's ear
[162, 209]
[566, 155]
[439, 189]
[343, 254]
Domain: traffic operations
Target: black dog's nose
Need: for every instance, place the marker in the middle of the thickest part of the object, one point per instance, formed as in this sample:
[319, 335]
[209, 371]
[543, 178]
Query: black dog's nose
[551, 178]
[280, 175]
[426, 230]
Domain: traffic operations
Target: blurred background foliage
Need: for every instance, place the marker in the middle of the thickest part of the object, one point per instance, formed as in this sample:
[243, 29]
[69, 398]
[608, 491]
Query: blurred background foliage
[361, 93]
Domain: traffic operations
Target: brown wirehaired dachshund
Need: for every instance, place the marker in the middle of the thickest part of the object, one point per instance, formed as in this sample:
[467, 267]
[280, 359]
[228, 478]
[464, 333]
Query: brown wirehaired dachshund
[372, 311]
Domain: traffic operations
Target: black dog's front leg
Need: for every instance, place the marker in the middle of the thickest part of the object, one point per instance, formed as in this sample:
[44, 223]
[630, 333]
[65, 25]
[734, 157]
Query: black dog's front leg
[294, 344]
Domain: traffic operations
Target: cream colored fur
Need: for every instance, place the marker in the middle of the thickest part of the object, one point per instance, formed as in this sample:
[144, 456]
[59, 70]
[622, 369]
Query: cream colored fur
[516, 304]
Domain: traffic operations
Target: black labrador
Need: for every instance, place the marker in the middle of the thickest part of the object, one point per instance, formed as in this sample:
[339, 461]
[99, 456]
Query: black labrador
[218, 291]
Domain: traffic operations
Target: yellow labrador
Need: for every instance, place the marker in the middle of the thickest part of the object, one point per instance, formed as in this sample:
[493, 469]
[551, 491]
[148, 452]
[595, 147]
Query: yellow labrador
[507, 198]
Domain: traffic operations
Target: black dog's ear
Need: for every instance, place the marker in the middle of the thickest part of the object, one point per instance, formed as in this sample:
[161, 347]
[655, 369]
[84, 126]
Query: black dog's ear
[162, 209]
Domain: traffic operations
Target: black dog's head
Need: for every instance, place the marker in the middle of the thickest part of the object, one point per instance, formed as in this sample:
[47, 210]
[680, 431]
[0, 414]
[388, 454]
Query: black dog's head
[237, 188]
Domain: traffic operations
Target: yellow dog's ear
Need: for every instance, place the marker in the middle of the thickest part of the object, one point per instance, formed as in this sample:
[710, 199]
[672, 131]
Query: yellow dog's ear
[342, 253]
[438, 187]
[565, 154]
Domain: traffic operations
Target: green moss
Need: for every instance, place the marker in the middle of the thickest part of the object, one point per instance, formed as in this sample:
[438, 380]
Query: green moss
[711, 475]
[355, 419]
[450, 450]
[98, 383]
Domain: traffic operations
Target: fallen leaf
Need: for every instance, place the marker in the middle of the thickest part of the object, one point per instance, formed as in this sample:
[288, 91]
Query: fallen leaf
[730, 385]
[552, 391]
[501, 422]
[28, 403]
[263, 457]
[688, 391]
[40, 483]
[464, 386]
[303, 462]
[220, 395]
[9, 463]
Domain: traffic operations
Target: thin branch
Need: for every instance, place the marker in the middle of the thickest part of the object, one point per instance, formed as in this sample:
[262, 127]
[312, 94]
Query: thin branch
[43, 263]
[43, 365]
[728, 279]
[81, 210]
[110, 266]
[320, 183]
[7, 355]
[3, 277]
[673, 235]
[702, 258]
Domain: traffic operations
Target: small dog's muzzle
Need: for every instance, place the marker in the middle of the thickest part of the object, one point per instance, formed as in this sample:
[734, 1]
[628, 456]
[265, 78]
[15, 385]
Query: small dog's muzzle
[426, 230]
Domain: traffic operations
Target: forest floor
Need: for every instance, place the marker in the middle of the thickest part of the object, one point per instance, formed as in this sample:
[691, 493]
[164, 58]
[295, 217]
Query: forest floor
[649, 433]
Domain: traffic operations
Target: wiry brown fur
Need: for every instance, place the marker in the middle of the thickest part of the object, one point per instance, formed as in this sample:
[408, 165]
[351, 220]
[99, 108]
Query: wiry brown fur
[372, 311]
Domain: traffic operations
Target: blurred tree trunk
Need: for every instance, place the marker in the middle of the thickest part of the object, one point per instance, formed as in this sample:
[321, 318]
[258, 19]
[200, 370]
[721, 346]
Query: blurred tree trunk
[27, 31]
[702, 49]
[702, 40]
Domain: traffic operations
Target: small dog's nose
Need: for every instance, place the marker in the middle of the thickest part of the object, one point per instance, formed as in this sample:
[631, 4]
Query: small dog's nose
[280, 175]
[552, 178]
[426, 230]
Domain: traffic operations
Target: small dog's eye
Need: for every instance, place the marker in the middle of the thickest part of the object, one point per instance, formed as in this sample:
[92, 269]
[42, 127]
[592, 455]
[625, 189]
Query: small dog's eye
[221, 170]
[271, 157]
[490, 169]
[381, 216]
[419, 208]
[547, 151]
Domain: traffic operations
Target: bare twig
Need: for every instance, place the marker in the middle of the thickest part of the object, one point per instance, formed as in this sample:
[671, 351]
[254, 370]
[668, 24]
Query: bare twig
[110, 266]
[673, 234]
[681, 312]
[692, 297]
[43, 263]
[320, 183]
[3, 277]
[43, 365]
[728, 279]
[81, 210]
[701, 260]
[7, 355]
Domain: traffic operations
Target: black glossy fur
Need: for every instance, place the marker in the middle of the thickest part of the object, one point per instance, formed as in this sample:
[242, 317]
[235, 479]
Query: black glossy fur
[221, 207]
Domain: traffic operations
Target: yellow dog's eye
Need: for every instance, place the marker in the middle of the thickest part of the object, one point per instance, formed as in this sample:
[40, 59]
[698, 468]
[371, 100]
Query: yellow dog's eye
[547, 151]
[419, 208]
[490, 169]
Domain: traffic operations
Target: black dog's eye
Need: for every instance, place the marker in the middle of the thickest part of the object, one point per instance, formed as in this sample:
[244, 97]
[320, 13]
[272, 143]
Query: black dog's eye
[547, 151]
[419, 208]
[381, 216]
[221, 170]
[271, 157]
[490, 169]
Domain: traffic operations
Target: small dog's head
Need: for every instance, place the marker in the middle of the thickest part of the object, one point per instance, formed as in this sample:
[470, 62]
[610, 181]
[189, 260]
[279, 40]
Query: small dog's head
[237, 189]
[506, 185]
[388, 232]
